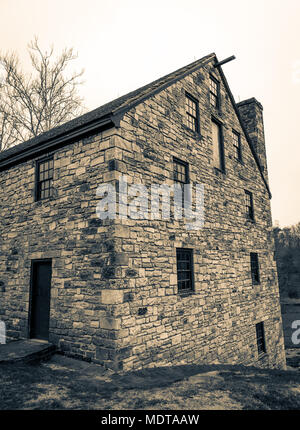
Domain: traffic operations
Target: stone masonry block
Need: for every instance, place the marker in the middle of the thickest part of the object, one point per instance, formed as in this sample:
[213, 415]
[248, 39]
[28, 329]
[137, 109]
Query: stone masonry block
[110, 323]
[112, 297]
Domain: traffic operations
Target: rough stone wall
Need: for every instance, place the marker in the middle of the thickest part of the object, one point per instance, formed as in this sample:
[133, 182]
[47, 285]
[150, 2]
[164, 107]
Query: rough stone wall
[217, 321]
[114, 295]
[66, 229]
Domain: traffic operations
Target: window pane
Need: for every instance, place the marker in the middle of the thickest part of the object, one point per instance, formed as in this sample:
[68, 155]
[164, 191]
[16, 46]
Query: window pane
[184, 269]
[254, 268]
[260, 337]
[45, 179]
[192, 113]
[237, 145]
[180, 171]
[181, 176]
[213, 100]
[249, 205]
[216, 141]
[214, 92]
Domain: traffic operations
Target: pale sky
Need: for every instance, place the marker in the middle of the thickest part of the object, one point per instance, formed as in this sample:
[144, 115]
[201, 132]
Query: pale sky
[124, 44]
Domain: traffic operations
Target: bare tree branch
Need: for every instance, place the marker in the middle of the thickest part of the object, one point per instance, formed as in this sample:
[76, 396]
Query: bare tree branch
[31, 104]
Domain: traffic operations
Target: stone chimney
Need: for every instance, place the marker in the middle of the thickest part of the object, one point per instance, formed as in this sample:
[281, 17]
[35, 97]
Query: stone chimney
[251, 112]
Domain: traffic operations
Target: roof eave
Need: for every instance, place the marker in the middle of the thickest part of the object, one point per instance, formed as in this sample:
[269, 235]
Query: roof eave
[59, 141]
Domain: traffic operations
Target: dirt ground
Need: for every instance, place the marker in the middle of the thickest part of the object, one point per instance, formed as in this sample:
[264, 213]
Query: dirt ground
[65, 383]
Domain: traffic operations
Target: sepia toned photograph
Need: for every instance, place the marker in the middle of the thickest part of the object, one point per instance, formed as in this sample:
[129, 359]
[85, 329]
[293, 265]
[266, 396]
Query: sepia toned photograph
[149, 209]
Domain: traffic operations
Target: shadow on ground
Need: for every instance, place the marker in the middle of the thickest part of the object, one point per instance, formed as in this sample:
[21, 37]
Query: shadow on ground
[64, 383]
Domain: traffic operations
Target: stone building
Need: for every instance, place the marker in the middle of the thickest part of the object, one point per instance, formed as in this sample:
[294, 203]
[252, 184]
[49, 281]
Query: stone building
[126, 292]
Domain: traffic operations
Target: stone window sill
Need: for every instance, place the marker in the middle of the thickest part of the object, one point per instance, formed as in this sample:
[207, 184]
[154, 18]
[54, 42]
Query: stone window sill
[42, 201]
[196, 134]
[186, 293]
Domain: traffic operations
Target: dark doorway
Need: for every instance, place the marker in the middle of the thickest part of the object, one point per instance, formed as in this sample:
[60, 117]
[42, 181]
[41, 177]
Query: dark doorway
[40, 299]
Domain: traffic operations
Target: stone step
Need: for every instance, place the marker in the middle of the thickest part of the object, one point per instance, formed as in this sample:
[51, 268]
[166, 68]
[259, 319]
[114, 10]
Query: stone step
[27, 350]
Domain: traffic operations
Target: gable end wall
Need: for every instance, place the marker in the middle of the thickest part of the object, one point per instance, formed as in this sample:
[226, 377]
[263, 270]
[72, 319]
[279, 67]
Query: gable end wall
[216, 322]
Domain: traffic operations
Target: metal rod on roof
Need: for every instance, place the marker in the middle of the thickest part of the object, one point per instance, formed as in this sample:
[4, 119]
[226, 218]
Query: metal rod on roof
[220, 63]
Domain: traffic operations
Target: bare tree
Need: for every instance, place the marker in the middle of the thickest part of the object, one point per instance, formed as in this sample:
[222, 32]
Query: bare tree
[31, 104]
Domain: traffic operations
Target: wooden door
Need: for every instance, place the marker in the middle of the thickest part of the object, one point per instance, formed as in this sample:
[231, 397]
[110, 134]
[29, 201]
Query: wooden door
[40, 299]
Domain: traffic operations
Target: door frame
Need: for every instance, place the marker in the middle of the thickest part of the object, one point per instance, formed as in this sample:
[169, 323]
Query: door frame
[33, 262]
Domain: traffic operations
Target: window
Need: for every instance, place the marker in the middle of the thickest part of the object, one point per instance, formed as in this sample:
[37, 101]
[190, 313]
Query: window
[44, 179]
[181, 175]
[218, 147]
[214, 92]
[249, 205]
[260, 337]
[181, 171]
[192, 113]
[184, 269]
[254, 268]
[236, 137]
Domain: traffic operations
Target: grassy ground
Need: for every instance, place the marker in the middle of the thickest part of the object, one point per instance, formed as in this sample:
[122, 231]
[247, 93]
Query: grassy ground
[63, 383]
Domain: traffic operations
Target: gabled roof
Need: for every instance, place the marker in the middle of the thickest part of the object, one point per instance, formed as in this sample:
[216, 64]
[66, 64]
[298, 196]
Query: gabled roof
[109, 115]
[104, 116]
